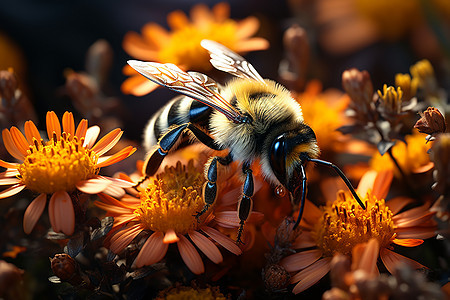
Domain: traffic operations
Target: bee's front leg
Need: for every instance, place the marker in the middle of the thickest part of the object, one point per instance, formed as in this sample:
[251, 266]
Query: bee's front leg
[246, 203]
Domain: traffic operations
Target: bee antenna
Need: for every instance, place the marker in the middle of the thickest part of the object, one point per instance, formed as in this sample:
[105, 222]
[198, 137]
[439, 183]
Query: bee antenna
[342, 175]
[140, 182]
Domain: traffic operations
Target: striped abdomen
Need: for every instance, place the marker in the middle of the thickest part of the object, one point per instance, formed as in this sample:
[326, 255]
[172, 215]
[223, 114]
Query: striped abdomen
[179, 110]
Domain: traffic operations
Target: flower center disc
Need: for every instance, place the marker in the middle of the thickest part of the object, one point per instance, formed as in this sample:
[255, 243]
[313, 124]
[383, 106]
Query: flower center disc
[345, 224]
[57, 166]
[173, 200]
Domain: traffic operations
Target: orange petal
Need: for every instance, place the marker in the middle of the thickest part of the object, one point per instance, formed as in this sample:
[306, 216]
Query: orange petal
[61, 213]
[119, 156]
[91, 136]
[93, 185]
[416, 232]
[408, 242]
[304, 240]
[398, 203]
[366, 182]
[107, 142]
[20, 140]
[12, 190]
[201, 15]
[11, 146]
[170, 237]
[34, 212]
[311, 275]
[139, 48]
[190, 256]
[413, 220]
[222, 239]
[110, 200]
[31, 132]
[112, 209]
[156, 35]
[221, 12]
[177, 20]
[206, 246]
[123, 238]
[391, 260]
[252, 44]
[9, 173]
[246, 28]
[311, 212]
[123, 218]
[68, 123]
[9, 181]
[114, 191]
[53, 125]
[382, 184]
[118, 182]
[138, 86]
[368, 259]
[81, 129]
[153, 250]
[300, 260]
[8, 165]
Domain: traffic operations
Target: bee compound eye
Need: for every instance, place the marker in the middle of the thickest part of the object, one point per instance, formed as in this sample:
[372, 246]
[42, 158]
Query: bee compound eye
[278, 158]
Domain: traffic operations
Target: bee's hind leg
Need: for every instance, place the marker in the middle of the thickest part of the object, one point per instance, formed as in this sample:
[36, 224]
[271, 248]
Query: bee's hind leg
[210, 186]
[246, 203]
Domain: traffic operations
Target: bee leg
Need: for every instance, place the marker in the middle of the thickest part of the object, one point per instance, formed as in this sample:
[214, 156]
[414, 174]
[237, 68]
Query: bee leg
[342, 175]
[294, 196]
[166, 143]
[210, 186]
[246, 203]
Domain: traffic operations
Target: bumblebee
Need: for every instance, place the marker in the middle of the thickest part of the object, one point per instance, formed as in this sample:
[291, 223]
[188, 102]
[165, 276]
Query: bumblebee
[252, 117]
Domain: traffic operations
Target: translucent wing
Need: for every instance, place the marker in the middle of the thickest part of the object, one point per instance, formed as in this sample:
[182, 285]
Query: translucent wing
[192, 84]
[228, 61]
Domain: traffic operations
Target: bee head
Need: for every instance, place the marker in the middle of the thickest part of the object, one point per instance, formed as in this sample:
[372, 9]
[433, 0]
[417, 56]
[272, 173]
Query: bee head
[289, 151]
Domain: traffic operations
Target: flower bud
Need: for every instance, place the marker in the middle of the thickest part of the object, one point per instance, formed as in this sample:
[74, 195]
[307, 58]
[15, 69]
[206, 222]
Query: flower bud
[358, 85]
[431, 121]
[66, 268]
[275, 277]
[8, 84]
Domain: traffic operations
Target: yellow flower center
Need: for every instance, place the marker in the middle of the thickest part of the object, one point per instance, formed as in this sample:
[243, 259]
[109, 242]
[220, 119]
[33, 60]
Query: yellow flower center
[183, 292]
[344, 224]
[173, 200]
[184, 46]
[57, 165]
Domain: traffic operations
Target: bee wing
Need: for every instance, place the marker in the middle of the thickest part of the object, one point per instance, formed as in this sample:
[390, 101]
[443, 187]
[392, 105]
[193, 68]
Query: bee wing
[192, 84]
[228, 61]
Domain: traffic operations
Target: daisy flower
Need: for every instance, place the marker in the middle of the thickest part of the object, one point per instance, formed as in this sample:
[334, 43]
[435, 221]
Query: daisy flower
[341, 225]
[166, 209]
[411, 155]
[181, 45]
[70, 160]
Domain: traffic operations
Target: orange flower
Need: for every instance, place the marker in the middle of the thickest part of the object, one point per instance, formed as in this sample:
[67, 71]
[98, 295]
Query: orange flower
[412, 156]
[70, 160]
[181, 46]
[341, 225]
[167, 209]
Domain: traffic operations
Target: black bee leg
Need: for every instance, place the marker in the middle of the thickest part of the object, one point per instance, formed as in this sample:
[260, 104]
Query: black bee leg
[303, 196]
[166, 143]
[342, 175]
[246, 203]
[210, 186]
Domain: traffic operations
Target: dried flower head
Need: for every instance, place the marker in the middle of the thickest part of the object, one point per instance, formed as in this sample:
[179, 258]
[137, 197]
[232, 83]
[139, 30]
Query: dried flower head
[70, 160]
[431, 122]
[66, 268]
[358, 85]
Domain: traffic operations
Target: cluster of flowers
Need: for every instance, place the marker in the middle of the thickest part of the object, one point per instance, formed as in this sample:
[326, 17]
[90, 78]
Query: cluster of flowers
[143, 220]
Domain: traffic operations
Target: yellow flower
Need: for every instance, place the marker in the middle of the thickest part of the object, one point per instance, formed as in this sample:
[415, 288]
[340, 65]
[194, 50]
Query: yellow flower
[342, 225]
[412, 156]
[181, 46]
[194, 293]
[166, 209]
[69, 161]
[324, 112]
